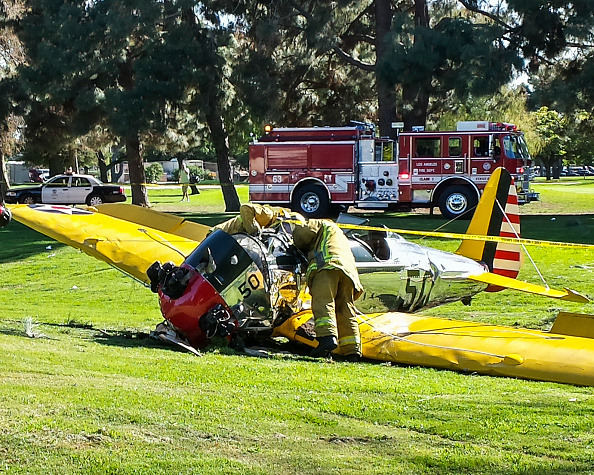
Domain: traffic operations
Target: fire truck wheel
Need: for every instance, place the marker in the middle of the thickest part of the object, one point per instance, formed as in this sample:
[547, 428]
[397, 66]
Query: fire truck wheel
[457, 201]
[311, 201]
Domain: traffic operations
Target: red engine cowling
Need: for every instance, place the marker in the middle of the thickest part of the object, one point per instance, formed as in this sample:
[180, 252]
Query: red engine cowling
[185, 312]
[207, 294]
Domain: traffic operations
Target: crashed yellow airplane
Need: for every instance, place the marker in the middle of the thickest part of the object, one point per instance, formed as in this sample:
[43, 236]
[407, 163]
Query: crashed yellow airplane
[240, 285]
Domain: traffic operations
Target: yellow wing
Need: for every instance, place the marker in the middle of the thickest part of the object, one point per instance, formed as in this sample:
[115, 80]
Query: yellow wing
[128, 237]
[404, 338]
[164, 222]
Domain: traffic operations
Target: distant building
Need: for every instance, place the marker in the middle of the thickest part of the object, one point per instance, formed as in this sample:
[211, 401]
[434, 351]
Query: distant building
[18, 171]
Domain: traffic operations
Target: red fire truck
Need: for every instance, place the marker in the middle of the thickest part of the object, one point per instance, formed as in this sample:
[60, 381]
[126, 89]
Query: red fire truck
[317, 169]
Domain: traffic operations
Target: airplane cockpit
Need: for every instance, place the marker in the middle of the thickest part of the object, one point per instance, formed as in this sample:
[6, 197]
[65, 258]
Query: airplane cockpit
[366, 245]
[370, 247]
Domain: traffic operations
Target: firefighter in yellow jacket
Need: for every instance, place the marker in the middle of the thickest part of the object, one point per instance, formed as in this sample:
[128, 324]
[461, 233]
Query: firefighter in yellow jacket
[334, 286]
[253, 217]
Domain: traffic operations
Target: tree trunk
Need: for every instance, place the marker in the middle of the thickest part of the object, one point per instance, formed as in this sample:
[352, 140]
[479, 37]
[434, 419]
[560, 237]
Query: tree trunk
[557, 167]
[548, 164]
[73, 159]
[102, 166]
[4, 179]
[132, 142]
[56, 165]
[385, 92]
[415, 96]
[220, 140]
[136, 169]
[216, 125]
[415, 100]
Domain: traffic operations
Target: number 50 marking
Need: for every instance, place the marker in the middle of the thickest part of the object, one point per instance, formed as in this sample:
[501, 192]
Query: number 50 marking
[251, 283]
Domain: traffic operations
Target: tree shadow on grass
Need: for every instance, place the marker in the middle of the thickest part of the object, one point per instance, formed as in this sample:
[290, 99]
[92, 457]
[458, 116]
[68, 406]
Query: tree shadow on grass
[19, 242]
[575, 228]
[174, 195]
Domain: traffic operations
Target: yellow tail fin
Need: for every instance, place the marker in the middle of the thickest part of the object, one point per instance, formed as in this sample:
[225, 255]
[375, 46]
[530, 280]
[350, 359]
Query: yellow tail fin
[497, 214]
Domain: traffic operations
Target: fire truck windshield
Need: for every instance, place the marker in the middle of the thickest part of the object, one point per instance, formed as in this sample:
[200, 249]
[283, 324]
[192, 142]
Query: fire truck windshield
[515, 147]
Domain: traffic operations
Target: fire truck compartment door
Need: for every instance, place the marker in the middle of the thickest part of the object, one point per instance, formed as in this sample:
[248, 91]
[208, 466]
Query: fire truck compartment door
[378, 181]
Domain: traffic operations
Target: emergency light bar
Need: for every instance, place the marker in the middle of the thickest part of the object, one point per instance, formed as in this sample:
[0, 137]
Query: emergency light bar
[484, 125]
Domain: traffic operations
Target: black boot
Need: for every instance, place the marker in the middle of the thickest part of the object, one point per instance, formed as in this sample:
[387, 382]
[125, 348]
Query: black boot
[325, 346]
[352, 358]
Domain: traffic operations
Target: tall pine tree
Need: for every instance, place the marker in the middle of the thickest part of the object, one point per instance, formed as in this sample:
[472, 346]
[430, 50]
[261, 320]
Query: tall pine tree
[11, 56]
[414, 51]
[123, 65]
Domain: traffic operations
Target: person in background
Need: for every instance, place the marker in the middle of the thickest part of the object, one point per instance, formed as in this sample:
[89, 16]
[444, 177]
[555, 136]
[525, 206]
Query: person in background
[334, 286]
[184, 179]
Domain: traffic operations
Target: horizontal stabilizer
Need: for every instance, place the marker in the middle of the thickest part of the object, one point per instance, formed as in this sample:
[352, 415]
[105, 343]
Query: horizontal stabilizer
[574, 324]
[508, 283]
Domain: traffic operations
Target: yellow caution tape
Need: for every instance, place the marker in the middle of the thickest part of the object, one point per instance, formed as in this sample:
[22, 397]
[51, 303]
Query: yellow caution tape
[470, 237]
[474, 237]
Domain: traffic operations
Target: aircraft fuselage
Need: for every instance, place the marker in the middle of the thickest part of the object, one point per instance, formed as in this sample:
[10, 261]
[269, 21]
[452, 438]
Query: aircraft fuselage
[413, 277]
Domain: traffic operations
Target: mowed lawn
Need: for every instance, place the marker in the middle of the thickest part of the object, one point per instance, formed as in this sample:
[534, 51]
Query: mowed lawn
[84, 390]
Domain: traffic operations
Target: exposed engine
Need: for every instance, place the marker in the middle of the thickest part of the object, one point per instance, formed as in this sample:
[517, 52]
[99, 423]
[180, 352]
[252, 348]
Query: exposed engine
[231, 285]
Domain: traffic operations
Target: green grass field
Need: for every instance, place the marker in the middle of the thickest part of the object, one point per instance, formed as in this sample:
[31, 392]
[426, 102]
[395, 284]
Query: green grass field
[84, 390]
